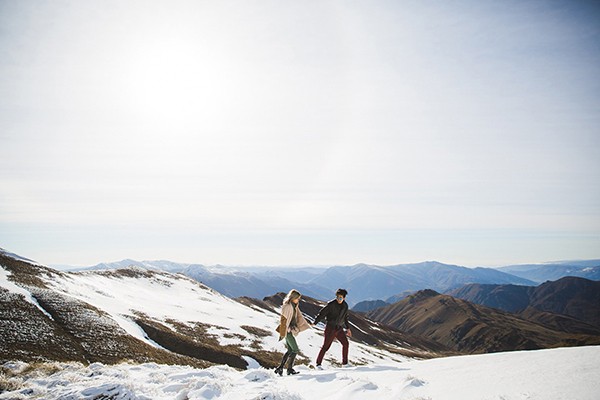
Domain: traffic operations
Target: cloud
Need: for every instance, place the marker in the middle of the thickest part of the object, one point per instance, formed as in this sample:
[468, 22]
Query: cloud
[279, 116]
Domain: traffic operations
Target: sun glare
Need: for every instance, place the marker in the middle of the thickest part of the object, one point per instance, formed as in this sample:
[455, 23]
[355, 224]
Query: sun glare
[168, 79]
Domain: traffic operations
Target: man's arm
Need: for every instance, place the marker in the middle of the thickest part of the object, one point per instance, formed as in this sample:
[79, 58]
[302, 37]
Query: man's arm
[321, 315]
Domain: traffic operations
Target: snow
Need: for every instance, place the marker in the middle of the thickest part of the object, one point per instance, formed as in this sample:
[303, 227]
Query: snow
[166, 297]
[556, 374]
[11, 287]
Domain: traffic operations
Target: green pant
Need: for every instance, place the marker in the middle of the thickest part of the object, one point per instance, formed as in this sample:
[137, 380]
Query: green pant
[290, 342]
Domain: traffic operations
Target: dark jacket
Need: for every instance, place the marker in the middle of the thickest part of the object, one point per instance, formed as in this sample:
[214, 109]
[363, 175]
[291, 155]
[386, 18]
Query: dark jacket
[335, 314]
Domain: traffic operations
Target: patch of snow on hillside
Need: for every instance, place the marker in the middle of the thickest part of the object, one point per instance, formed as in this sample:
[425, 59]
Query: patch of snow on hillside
[166, 297]
[11, 287]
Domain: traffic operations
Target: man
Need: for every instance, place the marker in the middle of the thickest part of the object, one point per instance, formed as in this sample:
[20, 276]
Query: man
[336, 315]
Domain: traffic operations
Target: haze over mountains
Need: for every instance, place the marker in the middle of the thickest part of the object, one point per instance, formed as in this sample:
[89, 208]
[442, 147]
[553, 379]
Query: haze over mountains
[363, 281]
[589, 269]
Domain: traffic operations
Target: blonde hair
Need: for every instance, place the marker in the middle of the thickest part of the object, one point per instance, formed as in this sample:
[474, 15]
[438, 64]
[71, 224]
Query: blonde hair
[292, 295]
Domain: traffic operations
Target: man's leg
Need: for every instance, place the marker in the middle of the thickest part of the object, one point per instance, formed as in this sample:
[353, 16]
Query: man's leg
[329, 336]
[341, 336]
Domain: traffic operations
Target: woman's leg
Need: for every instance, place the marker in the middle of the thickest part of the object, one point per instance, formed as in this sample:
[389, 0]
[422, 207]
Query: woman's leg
[291, 344]
[279, 370]
[290, 340]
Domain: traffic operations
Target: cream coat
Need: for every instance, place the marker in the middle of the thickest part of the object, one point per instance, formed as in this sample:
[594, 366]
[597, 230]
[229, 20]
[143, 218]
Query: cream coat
[287, 311]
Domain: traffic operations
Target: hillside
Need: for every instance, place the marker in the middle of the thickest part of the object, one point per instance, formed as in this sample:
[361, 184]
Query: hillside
[143, 315]
[369, 305]
[577, 298]
[472, 328]
[511, 298]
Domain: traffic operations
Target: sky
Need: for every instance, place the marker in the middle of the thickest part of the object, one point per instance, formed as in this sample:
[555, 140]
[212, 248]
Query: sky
[300, 133]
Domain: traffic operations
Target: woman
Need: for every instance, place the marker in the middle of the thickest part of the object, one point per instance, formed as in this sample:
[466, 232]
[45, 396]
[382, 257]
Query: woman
[292, 322]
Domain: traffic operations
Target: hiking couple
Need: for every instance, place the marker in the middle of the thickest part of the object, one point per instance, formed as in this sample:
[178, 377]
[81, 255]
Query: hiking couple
[292, 322]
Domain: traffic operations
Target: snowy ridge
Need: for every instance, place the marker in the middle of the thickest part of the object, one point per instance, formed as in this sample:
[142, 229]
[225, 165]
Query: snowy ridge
[18, 257]
[167, 297]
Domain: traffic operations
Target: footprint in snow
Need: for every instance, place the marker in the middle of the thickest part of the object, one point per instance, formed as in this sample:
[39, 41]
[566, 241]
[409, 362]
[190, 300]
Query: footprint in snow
[258, 376]
[414, 382]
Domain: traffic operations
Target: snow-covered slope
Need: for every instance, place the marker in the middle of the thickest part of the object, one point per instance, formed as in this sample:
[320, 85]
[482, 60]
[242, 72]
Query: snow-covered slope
[257, 282]
[160, 310]
[568, 374]
[165, 297]
[136, 315]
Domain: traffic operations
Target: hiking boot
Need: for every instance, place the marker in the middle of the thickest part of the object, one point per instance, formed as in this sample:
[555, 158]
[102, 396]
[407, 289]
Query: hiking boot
[290, 369]
[279, 370]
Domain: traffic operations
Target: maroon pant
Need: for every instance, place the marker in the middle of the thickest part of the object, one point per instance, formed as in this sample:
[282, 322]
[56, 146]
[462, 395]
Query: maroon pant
[332, 333]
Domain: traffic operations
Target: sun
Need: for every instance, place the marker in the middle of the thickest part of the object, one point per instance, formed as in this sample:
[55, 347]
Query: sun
[170, 78]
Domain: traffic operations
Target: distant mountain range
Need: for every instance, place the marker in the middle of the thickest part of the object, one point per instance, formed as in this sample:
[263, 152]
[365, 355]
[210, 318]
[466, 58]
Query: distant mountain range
[364, 282]
[539, 273]
[372, 282]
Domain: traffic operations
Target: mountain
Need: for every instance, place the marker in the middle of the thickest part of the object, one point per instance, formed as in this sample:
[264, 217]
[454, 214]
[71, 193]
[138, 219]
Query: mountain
[245, 284]
[467, 327]
[233, 282]
[294, 274]
[538, 273]
[559, 322]
[511, 298]
[369, 305]
[399, 296]
[110, 316]
[140, 315]
[575, 297]
[371, 282]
